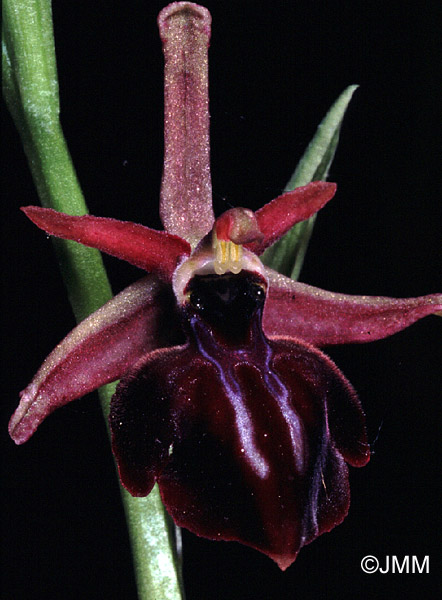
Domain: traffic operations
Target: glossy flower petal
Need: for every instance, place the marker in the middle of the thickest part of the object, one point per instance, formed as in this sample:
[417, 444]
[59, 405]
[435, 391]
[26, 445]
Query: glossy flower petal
[278, 216]
[246, 439]
[102, 348]
[151, 250]
[323, 318]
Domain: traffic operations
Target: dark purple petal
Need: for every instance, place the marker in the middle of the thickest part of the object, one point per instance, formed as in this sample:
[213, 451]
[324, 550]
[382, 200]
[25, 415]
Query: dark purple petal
[246, 441]
[186, 190]
[279, 215]
[322, 317]
[151, 250]
[100, 349]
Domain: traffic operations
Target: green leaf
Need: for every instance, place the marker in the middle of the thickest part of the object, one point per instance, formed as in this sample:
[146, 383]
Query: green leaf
[287, 255]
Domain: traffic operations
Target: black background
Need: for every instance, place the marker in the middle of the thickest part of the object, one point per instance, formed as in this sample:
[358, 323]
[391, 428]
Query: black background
[275, 68]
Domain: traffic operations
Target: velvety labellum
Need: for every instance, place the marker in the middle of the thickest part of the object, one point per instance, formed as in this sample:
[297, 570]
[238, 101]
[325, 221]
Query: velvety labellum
[240, 431]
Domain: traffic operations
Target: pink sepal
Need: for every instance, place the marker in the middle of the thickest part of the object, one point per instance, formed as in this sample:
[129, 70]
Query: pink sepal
[102, 348]
[322, 318]
[186, 189]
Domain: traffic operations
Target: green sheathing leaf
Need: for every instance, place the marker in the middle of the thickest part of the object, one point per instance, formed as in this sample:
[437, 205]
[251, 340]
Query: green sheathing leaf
[287, 255]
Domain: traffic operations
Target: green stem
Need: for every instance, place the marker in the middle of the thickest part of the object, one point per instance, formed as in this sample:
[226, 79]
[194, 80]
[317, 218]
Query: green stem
[30, 88]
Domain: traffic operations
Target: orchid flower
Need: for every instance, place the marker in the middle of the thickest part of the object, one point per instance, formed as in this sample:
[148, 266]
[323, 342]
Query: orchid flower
[225, 400]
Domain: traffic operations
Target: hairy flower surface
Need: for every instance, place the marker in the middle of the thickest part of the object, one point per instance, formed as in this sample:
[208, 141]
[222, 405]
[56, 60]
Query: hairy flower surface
[225, 399]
